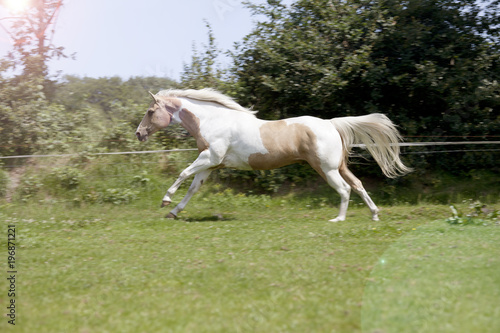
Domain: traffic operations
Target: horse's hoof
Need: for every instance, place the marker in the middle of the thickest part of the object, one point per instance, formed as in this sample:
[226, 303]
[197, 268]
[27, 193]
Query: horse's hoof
[336, 220]
[171, 216]
[165, 203]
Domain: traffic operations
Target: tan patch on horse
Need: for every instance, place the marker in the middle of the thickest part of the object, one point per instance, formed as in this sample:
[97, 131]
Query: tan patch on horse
[161, 118]
[172, 104]
[286, 144]
[192, 124]
[349, 177]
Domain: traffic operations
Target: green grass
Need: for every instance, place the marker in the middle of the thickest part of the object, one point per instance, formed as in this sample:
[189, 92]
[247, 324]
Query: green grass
[234, 263]
[436, 279]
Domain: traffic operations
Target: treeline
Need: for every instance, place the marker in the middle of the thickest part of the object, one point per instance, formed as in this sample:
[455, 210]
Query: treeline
[73, 114]
[433, 66]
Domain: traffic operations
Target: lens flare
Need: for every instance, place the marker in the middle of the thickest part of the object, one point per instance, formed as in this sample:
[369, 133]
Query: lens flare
[16, 6]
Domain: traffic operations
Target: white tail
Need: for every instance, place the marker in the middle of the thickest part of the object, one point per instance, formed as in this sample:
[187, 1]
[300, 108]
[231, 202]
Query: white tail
[380, 136]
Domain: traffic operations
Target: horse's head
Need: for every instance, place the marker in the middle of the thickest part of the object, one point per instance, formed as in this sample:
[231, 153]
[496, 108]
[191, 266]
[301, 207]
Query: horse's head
[159, 115]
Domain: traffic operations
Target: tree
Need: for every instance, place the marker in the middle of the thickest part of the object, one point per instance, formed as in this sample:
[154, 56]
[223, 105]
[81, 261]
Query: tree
[32, 36]
[23, 95]
[302, 58]
[202, 72]
[19, 103]
[439, 69]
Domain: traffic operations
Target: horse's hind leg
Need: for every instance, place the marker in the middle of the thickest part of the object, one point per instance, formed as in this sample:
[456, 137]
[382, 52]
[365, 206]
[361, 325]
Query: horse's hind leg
[357, 186]
[335, 180]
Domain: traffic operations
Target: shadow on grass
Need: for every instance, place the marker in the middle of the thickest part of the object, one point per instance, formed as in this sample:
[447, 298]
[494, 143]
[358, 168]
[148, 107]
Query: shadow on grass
[211, 218]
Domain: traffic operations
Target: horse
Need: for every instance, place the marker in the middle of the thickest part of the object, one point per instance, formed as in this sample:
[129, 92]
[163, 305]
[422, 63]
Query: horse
[230, 136]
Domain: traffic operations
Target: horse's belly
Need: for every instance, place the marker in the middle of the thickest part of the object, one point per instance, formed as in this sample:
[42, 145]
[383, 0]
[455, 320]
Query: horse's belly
[236, 162]
[268, 161]
[259, 161]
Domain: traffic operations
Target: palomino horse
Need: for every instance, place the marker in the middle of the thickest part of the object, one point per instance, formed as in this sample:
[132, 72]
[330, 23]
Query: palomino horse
[231, 136]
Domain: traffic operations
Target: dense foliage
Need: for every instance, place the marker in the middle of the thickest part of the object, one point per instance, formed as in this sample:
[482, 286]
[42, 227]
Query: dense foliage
[86, 111]
[418, 61]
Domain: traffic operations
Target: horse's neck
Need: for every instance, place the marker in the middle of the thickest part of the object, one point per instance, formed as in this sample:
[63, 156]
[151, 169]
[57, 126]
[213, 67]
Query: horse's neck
[203, 112]
[208, 115]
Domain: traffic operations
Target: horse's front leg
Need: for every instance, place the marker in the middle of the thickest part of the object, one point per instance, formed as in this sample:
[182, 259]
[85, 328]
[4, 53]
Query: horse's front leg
[199, 179]
[201, 163]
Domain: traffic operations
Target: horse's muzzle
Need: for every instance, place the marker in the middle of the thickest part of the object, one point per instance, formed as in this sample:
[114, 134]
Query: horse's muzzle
[141, 137]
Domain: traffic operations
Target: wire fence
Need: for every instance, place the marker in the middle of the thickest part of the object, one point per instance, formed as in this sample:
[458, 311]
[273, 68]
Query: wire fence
[403, 144]
[101, 154]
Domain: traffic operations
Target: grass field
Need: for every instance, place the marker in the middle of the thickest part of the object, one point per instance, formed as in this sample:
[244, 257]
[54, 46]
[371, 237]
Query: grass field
[235, 263]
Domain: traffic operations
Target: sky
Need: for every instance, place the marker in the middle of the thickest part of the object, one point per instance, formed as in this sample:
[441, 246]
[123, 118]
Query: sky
[139, 38]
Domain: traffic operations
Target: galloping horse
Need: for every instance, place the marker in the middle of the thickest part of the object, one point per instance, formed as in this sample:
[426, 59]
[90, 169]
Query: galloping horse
[231, 136]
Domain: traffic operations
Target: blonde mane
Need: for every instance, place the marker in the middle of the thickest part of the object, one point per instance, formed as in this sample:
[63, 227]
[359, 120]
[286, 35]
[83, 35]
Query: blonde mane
[206, 95]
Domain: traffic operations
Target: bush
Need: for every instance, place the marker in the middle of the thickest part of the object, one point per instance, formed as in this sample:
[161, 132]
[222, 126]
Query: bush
[67, 178]
[478, 214]
[270, 181]
[29, 187]
[4, 182]
[118, 196]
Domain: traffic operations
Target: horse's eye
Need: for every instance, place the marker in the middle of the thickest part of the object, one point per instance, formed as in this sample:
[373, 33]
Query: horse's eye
[151, 111]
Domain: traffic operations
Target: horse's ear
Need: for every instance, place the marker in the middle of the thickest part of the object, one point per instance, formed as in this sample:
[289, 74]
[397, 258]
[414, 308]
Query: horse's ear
[153, 96]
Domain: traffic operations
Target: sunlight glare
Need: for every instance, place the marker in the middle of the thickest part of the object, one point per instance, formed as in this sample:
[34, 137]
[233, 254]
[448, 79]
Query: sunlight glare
[16, 6]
